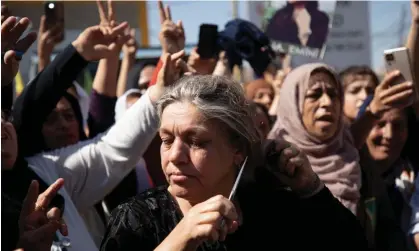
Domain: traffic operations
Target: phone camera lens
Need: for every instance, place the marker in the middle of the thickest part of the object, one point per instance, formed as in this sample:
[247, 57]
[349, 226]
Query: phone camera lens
[389, 57]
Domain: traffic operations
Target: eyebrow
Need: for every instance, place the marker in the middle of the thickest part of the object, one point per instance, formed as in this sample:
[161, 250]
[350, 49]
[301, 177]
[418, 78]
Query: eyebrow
[189, 132]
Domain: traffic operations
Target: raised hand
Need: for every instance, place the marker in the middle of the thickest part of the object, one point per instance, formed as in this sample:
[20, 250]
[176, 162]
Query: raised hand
[37, 225]
[172, 68]
[13, 48]
[99, 42]
[388, 96]
[292, 167]
[171, 36]
[108, 21]
[130, 47]
[48, 38]
[202, 66]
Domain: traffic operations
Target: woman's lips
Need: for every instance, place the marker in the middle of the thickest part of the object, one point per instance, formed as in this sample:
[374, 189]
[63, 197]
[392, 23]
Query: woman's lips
[178, 178]
[326, 118]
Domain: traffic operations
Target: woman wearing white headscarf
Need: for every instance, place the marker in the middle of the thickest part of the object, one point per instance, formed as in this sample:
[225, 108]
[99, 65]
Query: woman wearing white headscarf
[138, 180]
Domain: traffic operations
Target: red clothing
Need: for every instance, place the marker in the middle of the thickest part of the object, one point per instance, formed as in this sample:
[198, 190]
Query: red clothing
[156, 73]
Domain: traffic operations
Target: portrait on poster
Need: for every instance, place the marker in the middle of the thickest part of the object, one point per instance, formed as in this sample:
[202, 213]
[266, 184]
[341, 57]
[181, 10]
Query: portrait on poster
[299, 27]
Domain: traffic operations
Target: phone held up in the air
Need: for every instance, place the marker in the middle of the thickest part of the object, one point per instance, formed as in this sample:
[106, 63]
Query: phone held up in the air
[399, 59]
[54, 14]
[207, 43]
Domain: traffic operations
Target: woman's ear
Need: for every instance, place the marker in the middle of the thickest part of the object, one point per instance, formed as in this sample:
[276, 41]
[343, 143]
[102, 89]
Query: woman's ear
[238, 158]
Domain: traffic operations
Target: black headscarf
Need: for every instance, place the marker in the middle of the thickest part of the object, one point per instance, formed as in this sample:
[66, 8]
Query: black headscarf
[30, 138]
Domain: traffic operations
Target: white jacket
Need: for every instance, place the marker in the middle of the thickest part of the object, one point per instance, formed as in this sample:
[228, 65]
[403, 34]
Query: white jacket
[92, 168]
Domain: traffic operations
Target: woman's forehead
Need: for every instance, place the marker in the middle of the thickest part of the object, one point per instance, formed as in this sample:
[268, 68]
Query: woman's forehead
[181, 114]
[63, 104]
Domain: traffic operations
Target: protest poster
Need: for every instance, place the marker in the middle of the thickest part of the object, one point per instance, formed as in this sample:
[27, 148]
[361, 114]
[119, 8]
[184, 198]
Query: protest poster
[298, 27]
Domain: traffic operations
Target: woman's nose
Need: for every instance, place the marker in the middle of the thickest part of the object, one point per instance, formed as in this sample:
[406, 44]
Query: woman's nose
[178, 152]
[388, 131]
[362, 95]
[325, 100]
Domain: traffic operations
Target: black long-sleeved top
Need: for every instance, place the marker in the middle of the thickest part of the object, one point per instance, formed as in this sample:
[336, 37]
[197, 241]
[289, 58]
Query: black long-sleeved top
[272, 220]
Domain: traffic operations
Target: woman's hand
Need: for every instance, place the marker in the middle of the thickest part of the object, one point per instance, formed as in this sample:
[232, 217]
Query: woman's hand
[203, 222]
[388, 96]
[108, 22]
[202, 66]
[292, 167]
[37, 225]
[98, 42]
[172, 69]
[171, 36]
[130, 47]
[48, 38]
[13, 46]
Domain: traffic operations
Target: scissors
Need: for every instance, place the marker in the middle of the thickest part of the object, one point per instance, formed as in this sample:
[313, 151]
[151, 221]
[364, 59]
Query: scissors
[234, 189]
[236, 183]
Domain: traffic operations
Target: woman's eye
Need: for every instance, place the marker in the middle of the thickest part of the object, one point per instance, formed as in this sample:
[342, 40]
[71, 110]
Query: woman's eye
[314, 95]
[354, 90]
[198, 143]
[167, 141]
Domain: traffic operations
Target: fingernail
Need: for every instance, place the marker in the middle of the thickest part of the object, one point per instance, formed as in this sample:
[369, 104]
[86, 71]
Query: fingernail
[410, 83]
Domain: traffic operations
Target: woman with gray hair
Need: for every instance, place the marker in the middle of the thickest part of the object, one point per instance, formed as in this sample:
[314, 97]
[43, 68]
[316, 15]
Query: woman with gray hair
[207, 135]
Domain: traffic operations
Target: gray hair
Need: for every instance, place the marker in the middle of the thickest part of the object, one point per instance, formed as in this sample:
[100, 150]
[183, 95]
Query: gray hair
[218, 98]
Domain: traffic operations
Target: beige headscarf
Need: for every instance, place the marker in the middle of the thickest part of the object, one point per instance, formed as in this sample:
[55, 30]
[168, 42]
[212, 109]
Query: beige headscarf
[335, 161]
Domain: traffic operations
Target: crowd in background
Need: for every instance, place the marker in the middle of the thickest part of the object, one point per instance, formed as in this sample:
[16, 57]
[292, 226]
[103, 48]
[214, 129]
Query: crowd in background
[148, 159]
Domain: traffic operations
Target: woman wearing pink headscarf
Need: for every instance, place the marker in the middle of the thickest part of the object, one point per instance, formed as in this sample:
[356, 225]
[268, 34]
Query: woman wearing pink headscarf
[310, 115]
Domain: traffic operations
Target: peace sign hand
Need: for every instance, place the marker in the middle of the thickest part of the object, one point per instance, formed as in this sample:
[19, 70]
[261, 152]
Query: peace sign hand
[108, 22]
[106, 19]
[37, 226]
[99, 42]
[171, 36]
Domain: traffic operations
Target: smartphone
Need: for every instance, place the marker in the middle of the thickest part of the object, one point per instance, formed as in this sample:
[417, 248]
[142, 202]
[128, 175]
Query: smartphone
[399, 59]
[54, 14]
[207, 43]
